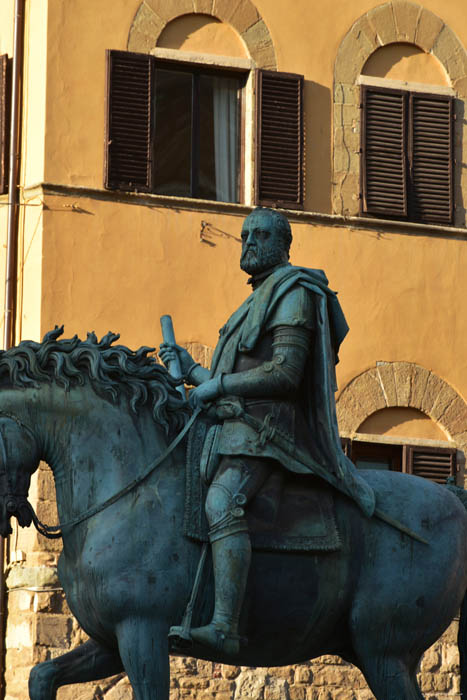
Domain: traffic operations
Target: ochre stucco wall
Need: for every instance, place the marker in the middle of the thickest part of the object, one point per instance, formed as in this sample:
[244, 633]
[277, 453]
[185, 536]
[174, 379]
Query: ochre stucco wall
[34, 93]
[195, 32]
[6, 25]
[406, 62]
[402, 423]
[120, 267]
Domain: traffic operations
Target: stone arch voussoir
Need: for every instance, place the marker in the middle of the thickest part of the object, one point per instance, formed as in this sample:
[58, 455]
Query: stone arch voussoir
[401, 21]
[153, 16]
[403, 384]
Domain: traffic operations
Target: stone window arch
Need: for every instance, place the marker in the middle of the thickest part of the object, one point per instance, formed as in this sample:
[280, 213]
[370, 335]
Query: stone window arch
[153, 16]
[403, 384]
[227, 39]
[393, 22]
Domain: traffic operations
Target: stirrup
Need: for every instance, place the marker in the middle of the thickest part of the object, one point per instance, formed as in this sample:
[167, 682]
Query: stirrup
[214, 636]
[180, 638]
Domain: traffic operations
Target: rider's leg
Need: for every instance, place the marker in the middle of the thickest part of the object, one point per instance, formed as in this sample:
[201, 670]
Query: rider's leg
[237, 480]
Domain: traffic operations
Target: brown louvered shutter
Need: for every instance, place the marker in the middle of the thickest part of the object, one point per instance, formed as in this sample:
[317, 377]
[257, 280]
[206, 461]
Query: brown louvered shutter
[431, 171]
[346, 445]
[434, 463]
[279, 140]
[384, 152]
[5, 97]
[129, 121]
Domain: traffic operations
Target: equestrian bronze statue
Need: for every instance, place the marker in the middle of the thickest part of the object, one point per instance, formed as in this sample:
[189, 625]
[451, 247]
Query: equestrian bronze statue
[231, 527]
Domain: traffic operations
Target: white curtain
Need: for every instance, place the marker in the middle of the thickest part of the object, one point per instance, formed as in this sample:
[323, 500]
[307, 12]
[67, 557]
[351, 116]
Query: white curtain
[225, 138]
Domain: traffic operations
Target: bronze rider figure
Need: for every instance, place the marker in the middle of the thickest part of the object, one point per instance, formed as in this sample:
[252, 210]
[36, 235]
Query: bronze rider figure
[275, 357]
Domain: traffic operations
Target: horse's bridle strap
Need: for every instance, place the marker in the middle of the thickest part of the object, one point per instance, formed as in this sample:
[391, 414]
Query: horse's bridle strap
[56, 531]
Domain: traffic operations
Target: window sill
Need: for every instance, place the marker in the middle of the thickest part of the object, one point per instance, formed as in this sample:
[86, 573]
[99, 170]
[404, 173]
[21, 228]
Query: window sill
[295, 216]
[387, 440]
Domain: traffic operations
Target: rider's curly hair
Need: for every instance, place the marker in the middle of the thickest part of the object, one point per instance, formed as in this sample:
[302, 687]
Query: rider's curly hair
[110, 369]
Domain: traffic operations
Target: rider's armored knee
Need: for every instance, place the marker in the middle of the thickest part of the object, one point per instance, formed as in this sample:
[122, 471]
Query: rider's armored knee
[225, 512]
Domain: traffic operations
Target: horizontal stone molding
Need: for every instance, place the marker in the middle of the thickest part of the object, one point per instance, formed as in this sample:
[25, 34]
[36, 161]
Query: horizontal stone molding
[357, 223]
[153, 16]
[403, 384]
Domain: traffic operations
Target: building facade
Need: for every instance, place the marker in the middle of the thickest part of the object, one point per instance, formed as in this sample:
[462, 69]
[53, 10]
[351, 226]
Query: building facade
[148, 131]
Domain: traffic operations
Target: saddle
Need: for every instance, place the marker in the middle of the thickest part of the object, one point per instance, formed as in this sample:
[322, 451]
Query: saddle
[291, 512]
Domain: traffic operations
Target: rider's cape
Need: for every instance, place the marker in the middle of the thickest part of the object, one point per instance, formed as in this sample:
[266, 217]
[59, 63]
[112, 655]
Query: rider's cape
[241, 333]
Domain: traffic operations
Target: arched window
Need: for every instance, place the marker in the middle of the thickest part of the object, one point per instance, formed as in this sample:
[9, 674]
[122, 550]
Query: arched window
[407, 114]
[400, 81]
[185, 120]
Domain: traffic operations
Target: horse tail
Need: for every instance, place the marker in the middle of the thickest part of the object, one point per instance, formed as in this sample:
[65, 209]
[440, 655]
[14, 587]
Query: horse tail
[462, 633]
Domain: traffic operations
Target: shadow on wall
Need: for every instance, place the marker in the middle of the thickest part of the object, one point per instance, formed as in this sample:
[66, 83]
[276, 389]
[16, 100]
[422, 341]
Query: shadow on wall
[318, 119]
[405, 62]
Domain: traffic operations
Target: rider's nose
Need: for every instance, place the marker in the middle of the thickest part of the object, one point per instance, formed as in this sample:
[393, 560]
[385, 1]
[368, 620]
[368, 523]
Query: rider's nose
[251, 240]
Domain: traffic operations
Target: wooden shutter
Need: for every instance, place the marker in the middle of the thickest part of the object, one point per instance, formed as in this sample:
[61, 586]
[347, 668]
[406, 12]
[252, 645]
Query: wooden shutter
[279, 139]
[431, 168]
[434, 463]
[384, 152]
[5, 108]
[129, 121]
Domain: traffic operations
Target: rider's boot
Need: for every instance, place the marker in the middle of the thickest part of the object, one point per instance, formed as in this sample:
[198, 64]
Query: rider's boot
[231, 557]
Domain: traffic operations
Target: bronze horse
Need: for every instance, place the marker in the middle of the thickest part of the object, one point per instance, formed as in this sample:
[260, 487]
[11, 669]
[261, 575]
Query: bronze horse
[100, 415]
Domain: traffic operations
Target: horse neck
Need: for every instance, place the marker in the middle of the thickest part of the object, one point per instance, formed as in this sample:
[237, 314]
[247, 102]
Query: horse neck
[93, 447]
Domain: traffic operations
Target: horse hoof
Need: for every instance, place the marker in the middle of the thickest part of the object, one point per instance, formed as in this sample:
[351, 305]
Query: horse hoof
[217, 637]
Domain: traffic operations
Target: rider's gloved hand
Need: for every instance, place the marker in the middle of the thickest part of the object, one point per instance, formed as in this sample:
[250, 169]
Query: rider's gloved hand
[205, 392]
[169, 351]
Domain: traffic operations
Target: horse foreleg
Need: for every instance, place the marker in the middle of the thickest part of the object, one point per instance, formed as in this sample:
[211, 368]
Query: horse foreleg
[145, 655]
[88, 662]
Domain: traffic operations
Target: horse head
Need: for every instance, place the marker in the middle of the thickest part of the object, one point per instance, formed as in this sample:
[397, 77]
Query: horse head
[19, 458]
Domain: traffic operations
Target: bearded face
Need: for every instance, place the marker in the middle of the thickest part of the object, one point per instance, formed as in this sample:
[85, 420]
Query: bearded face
[262, 244]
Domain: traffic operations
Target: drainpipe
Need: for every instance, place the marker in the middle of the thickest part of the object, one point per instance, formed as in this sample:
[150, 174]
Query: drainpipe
[11, 261]
[13, 191]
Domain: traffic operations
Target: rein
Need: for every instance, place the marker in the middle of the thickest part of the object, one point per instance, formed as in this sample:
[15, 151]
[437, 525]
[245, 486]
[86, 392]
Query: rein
[56, 531]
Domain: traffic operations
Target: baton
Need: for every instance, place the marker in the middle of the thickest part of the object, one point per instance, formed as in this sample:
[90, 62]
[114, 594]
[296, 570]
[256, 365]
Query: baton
[173, 366]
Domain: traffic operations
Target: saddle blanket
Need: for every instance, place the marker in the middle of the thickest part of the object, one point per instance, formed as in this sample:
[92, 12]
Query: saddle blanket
[290, 513]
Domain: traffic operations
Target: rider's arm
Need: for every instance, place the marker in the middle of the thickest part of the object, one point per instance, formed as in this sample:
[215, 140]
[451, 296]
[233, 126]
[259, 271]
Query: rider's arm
[196, 375]
[281, 375]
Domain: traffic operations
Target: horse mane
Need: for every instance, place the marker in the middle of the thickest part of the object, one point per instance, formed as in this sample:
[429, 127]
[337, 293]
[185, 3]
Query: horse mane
[110, 369]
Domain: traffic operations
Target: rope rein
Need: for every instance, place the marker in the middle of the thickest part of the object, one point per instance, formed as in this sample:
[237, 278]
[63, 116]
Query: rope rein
[56, 531]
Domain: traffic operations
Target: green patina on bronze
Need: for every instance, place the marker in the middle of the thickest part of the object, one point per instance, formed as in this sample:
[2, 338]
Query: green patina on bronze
[107, 421]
